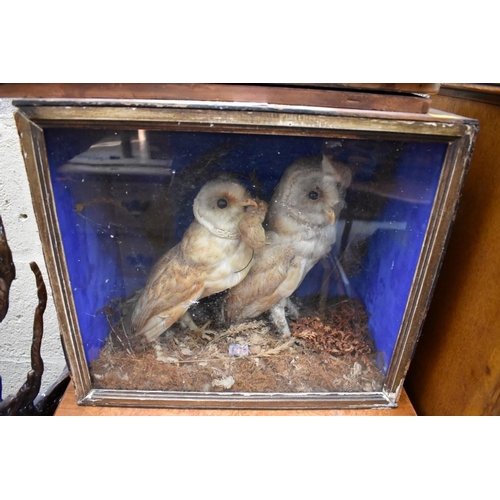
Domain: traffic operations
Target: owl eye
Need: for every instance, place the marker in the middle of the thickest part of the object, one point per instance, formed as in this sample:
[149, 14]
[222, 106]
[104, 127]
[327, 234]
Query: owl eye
[222, 203]
[314, 195]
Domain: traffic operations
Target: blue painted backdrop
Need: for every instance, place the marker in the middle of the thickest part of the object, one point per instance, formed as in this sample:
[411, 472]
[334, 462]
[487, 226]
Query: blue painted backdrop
[100, 269]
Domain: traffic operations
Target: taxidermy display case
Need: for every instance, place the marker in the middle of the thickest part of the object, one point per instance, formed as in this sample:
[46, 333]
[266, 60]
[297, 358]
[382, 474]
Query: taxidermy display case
[231, 254]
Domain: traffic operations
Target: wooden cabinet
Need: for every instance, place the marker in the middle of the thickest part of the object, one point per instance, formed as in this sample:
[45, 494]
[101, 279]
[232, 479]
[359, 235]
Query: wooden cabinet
[456, 367]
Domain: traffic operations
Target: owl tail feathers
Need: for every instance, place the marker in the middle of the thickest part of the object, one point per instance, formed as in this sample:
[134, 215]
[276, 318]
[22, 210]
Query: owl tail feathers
[153, 328]
[157, 325]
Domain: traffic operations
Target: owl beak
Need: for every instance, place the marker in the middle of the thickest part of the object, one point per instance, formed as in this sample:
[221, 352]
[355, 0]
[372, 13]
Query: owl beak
[249, 203]
[330, 215]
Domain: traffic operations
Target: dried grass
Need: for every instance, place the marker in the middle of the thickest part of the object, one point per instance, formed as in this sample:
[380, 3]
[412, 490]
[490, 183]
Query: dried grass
[327, 352]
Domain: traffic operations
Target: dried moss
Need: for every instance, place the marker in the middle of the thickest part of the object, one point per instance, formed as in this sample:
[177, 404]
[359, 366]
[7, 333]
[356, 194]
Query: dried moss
[330, 351]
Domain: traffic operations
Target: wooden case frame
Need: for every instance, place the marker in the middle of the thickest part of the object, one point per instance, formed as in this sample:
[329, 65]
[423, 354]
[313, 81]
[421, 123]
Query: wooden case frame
[33, 116]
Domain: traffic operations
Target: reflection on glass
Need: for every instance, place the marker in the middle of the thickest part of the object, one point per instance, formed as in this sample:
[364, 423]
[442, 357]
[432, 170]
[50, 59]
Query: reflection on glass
[313, 304]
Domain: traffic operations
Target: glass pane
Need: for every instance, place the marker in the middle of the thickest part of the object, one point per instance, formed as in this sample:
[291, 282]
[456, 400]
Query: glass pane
[177, 287]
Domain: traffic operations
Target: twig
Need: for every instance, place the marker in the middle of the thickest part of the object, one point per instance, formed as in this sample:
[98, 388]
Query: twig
[23, 401]
[7, 272]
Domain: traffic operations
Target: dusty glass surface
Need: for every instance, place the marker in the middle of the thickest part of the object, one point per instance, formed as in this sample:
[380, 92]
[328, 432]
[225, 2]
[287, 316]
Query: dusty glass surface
[240, 262]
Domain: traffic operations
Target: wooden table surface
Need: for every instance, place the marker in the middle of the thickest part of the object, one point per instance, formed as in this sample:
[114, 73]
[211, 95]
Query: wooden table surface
[69, 407]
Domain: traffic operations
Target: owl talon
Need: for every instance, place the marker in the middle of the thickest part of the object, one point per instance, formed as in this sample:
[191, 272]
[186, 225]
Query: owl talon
[208, 335]
[187, 322]
[203, 329]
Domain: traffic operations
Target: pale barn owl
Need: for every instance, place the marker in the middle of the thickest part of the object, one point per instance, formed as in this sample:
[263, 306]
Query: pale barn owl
[301, 230]
[215, 253]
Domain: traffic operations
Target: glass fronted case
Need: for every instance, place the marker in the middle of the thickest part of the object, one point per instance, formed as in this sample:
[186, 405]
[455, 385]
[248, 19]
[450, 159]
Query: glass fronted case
[222, 256]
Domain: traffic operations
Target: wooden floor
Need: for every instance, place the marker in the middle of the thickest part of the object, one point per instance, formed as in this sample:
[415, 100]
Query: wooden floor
[68, 407]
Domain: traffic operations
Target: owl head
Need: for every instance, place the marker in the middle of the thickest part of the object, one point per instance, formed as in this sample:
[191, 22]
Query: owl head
[220, 205]
[310, 192]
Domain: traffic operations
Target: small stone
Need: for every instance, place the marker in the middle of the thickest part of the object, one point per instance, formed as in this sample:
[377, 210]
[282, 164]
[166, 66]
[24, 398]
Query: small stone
[223, 383]
[255, 349]
[167, 359]
[356, 369]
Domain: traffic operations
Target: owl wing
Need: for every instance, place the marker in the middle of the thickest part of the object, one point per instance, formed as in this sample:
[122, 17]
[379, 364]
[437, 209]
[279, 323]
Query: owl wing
[174, 284]
[275, 274]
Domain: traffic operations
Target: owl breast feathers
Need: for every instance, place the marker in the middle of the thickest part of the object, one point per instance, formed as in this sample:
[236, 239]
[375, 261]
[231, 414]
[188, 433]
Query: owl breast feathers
[301, 230]
[213, 255]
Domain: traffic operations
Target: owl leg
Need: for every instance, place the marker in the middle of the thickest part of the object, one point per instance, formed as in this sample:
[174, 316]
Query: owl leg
[187, 322]
[292, 310]
[279, 319]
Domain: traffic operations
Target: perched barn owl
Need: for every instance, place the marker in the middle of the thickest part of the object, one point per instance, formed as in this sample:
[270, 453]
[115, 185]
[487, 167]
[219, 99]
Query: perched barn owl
[215, 253]
[301, 230]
